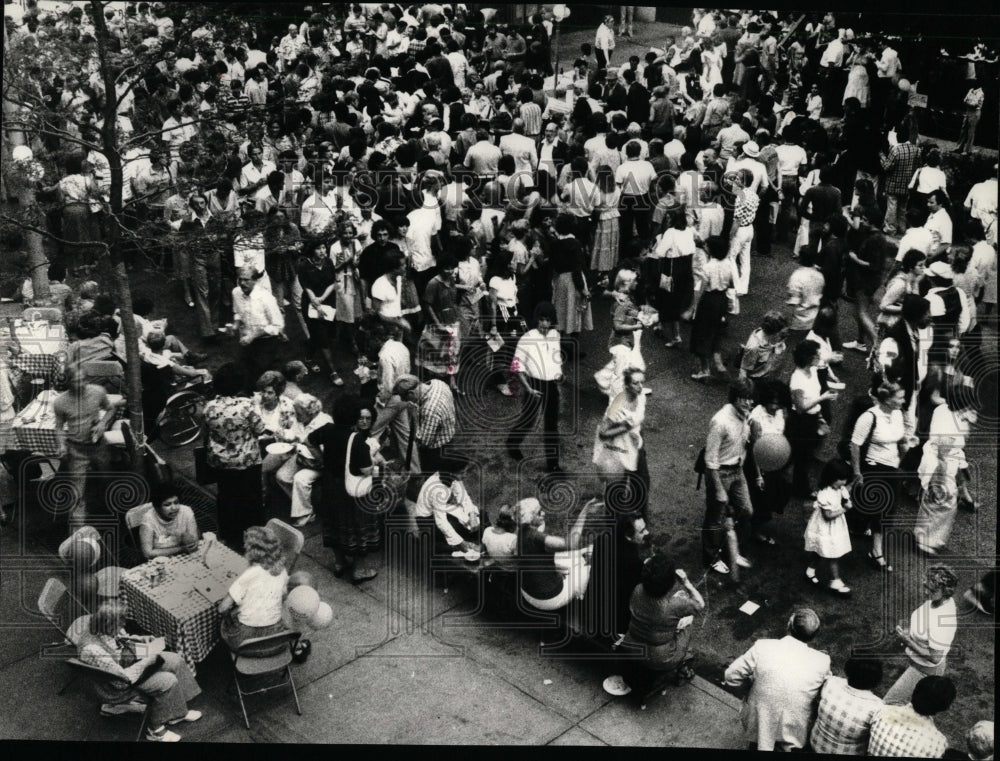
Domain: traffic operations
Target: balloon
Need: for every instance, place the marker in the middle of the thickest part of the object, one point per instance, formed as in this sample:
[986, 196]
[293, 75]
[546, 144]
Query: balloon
[302, 602]
[22, 153]
[301, 579]
[771, 452]
[323, 616]
[904, 85]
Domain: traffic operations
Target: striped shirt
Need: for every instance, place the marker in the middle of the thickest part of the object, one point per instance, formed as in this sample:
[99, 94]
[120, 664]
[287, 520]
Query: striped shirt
[532, 116]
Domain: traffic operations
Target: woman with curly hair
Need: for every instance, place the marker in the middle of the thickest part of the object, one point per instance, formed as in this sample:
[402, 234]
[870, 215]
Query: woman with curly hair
[252, 608]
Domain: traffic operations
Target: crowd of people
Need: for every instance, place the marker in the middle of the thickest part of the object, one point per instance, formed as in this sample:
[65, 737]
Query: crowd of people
[417, 191]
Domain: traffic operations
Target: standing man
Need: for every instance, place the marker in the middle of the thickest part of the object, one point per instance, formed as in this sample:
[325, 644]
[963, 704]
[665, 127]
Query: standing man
[538, 363]
[82, 414]
[746, 203]
[604, 42]
[970, 119]
[898, 167]
[786, 676]
[432, 411]
[634, 177]
[726, 496]
[626, 13]
[260, 325]
[203, 232]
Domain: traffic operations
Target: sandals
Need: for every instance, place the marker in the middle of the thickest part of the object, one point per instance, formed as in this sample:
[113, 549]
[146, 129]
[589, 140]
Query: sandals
[879, 561]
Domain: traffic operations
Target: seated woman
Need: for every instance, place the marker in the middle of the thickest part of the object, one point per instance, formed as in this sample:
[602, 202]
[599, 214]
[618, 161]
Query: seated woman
[252, 608]
[548, 583]
[500, 539]
[660, 625]
[159, 355]
[169, 528]
[300, 470]
[274, 409]
[444, 502]
[164, 678]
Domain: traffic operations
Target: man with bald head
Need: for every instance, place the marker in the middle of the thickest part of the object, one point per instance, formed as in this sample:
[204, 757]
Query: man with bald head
[786, 676]
[521, 147]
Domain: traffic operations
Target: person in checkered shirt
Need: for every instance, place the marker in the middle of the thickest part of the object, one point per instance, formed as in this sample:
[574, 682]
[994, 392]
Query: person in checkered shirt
[847, 708]
[909, 730]
[744, 212]
[434, 415]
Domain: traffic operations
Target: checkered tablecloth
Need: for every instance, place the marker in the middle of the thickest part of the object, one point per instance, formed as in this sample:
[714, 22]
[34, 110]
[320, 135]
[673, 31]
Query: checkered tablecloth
[39, 346]
[33, 429]
[174, 609]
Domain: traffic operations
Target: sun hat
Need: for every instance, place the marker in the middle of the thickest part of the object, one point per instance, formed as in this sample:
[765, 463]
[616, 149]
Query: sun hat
[751, 149]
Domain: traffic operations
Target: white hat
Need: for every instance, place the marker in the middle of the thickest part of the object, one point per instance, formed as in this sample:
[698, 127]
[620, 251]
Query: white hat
[941, 270]
[751, 149]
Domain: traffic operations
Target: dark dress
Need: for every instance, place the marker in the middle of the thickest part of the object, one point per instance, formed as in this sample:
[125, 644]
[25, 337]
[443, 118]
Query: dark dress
[542, 580]
[710, 317]
[350, 525]
[317, 279]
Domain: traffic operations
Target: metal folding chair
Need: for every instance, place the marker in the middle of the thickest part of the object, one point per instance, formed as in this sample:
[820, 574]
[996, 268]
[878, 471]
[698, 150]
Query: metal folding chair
[94, 673]
[252, 660]
[292, 541]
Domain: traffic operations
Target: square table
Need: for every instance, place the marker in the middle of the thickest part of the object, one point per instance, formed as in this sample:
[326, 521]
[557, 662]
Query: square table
[40, 343]
[174, 609]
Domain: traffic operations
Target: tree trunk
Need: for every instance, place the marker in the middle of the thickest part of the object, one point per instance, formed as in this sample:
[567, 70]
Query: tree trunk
[119, 273]
[25, 192]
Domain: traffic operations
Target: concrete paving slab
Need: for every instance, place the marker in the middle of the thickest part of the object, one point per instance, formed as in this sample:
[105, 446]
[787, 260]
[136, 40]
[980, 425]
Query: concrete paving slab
[577, 737]
[685, 717]
[435, 698]
[574, 678]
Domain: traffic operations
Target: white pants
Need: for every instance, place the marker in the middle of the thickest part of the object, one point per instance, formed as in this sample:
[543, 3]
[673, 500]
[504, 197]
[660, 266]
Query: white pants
[576, 575]
[298, 483]
[739, 251]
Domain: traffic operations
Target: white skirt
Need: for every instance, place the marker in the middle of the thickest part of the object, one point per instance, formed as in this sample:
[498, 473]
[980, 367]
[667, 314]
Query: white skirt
[828, 539]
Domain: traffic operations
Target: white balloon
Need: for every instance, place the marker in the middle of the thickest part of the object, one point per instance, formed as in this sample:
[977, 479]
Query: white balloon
[22, 153]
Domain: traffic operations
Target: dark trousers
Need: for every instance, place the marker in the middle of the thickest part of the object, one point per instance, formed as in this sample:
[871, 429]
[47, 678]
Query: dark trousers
[634, 210]
[239, 504]
[548, 405]
[262, 354]
[763, 232]
[421, 279]
[206, 273]
[602, 59]
[802, 435]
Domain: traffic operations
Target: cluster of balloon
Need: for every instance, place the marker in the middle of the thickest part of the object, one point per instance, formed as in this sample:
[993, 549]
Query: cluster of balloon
[82, 553]
[303, 608]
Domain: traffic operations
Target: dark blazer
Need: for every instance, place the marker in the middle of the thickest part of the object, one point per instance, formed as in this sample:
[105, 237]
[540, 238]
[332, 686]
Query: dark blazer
[637, 103]
[615, 97]
[560, 153]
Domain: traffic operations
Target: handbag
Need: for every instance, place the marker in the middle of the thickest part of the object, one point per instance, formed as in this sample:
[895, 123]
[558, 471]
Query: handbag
[357, 486]
[732, 301]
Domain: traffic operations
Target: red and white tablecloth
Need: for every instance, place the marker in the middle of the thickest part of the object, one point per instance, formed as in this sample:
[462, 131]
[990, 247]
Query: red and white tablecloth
[174, 608]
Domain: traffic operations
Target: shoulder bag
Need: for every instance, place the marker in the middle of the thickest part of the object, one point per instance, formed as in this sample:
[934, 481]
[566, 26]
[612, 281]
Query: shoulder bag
[357, 486]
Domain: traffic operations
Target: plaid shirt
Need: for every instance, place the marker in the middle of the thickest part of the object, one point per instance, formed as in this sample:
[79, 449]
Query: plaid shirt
[746, 208]
[416, 46]
[901, 731]
[899, 167]
[436, 415]
[844, 719]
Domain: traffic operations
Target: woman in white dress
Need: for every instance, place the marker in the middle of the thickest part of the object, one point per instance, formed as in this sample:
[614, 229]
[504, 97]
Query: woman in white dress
[712, 55]
[344, 254]
[857, 78]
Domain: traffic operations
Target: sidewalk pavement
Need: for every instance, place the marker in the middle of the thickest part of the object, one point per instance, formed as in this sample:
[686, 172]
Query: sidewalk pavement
[397, 666]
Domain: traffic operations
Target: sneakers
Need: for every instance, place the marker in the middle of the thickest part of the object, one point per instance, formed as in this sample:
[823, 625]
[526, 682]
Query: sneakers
[720, 566]
[615, 685]
[119, 709]
[742, 562]
[162, 735]
[838, 587]
[189, 716]
[856, 346]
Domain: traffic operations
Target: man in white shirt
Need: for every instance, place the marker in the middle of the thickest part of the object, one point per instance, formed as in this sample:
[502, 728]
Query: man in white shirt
[791, 159]
[676, 148]
[832, 73]
[634, 134]
[728, 137]
[982, 204]
[748, 161]
[551, 151]
[634, 178]
[604, 42]
[521, 147]
[255, 172]
[425, 224]
[444, 504]
[483, 158]
[938, 220]
[260, 325]
[919, 238]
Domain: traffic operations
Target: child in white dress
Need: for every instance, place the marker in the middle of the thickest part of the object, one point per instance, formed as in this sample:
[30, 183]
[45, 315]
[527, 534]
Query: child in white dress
[826, 533]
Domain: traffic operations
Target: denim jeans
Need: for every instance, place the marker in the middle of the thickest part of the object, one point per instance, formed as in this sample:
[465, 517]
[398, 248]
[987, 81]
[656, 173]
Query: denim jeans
[722, 516]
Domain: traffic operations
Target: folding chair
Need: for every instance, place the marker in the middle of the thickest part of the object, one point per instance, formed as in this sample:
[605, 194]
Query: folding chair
[94, 673]
[292, 541]
[248, 662]
[106, 373]
[55, 603]
[134, 519]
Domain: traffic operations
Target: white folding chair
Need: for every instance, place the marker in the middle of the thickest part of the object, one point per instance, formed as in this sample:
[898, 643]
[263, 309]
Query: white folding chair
[292, 540]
